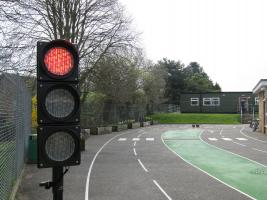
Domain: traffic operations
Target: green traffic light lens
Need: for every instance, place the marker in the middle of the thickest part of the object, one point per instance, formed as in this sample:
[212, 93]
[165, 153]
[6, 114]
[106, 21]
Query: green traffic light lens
[59, 146]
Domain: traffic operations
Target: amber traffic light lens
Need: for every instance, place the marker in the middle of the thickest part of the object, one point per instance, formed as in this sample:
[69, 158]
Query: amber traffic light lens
[58, 61]
[59, 103]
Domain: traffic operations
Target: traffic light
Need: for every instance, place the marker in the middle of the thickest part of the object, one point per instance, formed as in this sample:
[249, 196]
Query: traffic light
[58, 104]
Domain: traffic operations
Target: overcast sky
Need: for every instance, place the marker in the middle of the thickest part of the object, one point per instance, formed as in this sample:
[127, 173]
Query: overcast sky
[227, 37]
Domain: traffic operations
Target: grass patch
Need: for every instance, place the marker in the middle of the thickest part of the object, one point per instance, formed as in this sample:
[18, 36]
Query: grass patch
[196, 118]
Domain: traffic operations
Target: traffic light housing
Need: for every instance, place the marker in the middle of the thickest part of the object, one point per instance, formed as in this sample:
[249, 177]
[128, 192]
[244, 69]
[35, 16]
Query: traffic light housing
[47, 65]
[58, 104]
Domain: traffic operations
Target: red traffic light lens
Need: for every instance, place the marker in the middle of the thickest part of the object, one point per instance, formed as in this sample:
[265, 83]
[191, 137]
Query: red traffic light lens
[58, 61]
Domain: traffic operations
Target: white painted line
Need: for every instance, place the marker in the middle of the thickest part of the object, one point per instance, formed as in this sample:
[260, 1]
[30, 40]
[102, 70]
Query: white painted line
[242, 139]
[227, 139]
[221, 131]
[241, 131]
[230, 152]
[142, 165]
[136, 139]
[234, 127]
[92, 164]
[150, 139]
[259, 150]
[213, 139]
[239, 144]
[160, 188]
[141, 134]
[134, 152]
[122, 139]
[211, 131]
[207, 172]
[134, 144]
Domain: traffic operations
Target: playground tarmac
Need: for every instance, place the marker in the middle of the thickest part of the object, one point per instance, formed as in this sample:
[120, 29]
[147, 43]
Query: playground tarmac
[163, 162]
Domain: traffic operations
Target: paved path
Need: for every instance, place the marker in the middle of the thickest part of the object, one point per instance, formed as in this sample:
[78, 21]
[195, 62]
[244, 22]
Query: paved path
[136, 164]
[129, 169]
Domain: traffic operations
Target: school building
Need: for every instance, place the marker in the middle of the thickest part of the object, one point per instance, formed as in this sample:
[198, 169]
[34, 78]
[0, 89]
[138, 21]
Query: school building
[260, 90]
[219, 102]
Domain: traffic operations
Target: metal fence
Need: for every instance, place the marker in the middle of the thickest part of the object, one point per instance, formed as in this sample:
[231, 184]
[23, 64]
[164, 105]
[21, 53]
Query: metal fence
[104, 114]
[166, 108]
[15, 123]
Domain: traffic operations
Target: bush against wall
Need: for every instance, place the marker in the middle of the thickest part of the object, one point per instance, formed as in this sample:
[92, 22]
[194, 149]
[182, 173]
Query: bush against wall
[34, 112]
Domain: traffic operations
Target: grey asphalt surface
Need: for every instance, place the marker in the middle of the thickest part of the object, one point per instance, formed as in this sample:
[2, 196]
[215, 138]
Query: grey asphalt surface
[117, 173]
[254, 148]
[74, 180]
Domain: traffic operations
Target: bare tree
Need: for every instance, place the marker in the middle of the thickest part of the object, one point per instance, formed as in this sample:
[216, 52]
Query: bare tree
[96, 26]
[116, 77]
[4, 57]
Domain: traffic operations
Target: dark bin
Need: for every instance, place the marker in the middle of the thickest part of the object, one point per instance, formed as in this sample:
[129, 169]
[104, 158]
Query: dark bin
[32, 149]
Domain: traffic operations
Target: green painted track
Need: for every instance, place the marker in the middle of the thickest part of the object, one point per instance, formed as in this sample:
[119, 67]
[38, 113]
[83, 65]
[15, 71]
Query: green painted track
[243, 174]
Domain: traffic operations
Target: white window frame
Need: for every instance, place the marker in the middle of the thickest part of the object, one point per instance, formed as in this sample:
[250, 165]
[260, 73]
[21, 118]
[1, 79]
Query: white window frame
[216, 99]
[194, 100]
[206, 100]
[211, 101]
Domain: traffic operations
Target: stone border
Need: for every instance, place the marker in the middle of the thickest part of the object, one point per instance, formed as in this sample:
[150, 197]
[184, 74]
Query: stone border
[85, 133]
[154, 122]
[133, 125]
[144, 124]
[119, 127]
[100, 130]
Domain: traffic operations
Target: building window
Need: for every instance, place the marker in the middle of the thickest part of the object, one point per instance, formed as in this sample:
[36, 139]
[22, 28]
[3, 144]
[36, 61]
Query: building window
[213, 101]
[256, 101]
[206, 101]
[216, 101]
[194, 102]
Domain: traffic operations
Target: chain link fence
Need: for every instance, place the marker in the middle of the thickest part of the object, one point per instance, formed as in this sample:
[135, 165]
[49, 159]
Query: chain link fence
[99, 114]
[166, 108]
[105, 114]
[15, 123]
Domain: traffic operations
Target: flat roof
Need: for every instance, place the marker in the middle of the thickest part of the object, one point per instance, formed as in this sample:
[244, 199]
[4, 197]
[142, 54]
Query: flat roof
[215, 92]
[261, 85]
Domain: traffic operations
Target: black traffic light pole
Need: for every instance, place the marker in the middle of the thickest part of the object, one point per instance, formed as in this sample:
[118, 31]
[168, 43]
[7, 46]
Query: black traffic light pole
[57, 183]
[57, 76]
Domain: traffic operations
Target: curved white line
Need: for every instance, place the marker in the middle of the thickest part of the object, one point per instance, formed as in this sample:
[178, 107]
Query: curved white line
[259, 150]
[92, 163]
[221, 131]
[205, 171]
[241, 131]
[160, 188]
[200, 137]
[239, 144]
[134, 152]
[142, 165]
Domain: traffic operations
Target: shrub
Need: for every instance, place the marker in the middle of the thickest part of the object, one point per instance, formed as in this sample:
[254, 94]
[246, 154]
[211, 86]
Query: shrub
[34, 112]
